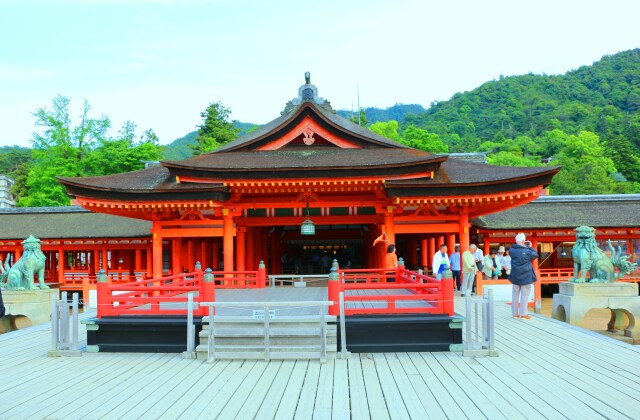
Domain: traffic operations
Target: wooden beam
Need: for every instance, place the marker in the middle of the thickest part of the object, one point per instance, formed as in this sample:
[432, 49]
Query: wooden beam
[427, 228]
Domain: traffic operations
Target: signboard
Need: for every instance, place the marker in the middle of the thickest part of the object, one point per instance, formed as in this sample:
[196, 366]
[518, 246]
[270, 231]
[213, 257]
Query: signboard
[259, 314]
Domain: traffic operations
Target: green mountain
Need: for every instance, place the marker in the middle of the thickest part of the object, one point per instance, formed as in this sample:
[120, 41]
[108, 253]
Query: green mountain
[603, 98]
[179, 148]
[396, 112]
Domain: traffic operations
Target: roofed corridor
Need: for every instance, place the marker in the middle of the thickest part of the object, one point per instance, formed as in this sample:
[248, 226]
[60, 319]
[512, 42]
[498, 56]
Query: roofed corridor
[546, 369]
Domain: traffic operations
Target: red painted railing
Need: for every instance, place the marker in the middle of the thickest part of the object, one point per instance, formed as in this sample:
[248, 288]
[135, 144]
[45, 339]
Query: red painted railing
[240, 279]
[430, 295]
[162, 296]
[168, 295]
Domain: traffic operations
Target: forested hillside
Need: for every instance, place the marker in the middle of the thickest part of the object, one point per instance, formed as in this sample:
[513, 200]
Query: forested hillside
[523, 119]
[179, 149]
[396, 112]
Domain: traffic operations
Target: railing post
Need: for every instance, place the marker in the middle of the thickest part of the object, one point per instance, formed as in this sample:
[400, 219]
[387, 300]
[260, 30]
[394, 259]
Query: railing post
[537, 294]
[190, 353]
[54, 323]
[267, 333]
[208, 289]
[102, 292]
[333, 289]
[343, 329]
[491, 323]
[262, 275]
[479, 283]
[447, 296]
[399, 269]
[74, 326]
[211, 351]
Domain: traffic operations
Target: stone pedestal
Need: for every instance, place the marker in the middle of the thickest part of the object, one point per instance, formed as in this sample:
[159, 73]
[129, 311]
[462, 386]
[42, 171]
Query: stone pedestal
[576, 299]
[33, 304]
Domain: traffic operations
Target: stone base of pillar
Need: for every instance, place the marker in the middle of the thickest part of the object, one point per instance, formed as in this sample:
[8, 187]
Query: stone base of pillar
[576, 299]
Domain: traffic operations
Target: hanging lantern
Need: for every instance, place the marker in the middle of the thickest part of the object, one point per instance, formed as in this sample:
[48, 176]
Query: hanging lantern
[307, 227]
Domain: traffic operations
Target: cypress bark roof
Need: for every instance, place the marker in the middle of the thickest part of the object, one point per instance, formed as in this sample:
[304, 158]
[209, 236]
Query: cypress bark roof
[276, 150]
[568, 212]
[68, 222]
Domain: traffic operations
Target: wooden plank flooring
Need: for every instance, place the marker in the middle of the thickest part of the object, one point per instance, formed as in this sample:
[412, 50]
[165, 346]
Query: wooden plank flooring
[546, 369]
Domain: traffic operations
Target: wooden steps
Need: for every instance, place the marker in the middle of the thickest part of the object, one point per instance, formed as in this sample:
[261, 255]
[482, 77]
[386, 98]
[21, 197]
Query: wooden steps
[288, 337]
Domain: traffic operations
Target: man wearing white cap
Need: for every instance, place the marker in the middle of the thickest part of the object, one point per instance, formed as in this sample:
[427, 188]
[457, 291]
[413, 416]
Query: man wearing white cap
[522, 275]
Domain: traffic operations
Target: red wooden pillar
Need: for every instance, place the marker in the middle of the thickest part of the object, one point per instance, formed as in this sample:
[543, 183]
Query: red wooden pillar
[61, 265]
[250, 261]
[176, 253]
[241, 234]
[215, 255]
[412, 251]
[381, 249]
[534, 244]
[105, 260]
[190, 261]
[451, 243]
[264, 249]
[439, 241]
[131, 263]
[487, 246]
[157, 250]
[138, 260]
[149, 260]
[205, 258]
[464, 231]
[432, 250]
[424, 258]
[94, 262]
[276, 253]
[227, 242]
[389, 227]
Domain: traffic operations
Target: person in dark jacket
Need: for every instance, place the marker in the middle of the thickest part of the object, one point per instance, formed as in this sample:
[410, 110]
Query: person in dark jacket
[522, 275]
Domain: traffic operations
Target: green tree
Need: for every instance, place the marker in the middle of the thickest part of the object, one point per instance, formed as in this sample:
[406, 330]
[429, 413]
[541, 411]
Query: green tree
[59, 150]
[422, 139]
[63, 148]
[585, 169]
[360, 119]
[123, 153]
[11, 157]
[387, 129]
[215, 130]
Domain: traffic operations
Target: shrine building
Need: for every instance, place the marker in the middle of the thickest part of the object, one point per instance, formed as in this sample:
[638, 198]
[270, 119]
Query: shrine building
[308, 183]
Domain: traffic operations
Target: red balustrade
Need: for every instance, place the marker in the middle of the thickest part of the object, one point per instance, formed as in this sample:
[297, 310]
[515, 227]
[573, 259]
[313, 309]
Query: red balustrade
[431, 296]
[161, 296]
[168, 295]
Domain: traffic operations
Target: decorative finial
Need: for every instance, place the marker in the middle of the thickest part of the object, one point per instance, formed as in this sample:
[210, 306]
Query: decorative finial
[307, 78]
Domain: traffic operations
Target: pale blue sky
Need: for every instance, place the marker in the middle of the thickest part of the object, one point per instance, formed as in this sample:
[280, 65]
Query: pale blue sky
[160, 63]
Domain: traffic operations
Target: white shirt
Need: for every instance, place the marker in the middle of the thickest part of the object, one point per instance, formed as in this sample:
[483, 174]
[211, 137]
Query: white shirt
[478, 255]
[438, 260]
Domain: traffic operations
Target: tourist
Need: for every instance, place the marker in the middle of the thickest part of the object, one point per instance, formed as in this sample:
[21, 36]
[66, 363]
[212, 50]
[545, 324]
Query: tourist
[440, 262]
[468, 270]
[522, 275]
[491, 266]
[391, 261]
[478, 257]
[505, 262]
[455, 266]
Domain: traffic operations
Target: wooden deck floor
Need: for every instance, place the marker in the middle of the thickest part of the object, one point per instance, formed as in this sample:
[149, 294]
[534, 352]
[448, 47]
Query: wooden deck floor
[546, 369]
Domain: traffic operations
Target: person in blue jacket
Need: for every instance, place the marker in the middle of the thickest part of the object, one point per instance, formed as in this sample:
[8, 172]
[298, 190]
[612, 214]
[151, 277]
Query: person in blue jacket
[522, 275]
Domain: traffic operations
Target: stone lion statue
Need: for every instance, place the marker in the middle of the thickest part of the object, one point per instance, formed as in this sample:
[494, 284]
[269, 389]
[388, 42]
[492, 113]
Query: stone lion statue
[589, 258]
[20, 275]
